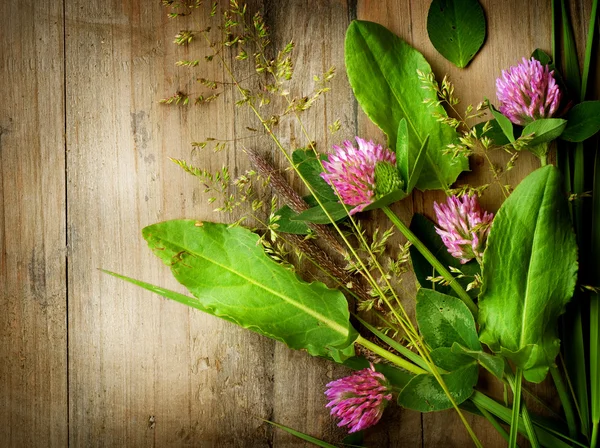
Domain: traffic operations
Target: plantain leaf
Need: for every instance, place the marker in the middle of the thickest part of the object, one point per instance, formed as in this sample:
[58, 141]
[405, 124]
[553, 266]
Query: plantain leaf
[226, 269]
[382, 70]
[529, 273]
[456, 29]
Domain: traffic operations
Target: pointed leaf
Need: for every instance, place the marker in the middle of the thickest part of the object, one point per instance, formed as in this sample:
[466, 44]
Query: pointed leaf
[494, 364]
[416, 167]
[317, 215]
[494, 133]
[382, 70]
[311, 169]
[544, 130]
[583, 121]
[529, 273]
[226, 269]
[504, 123]
[456, 29]
[541, 56]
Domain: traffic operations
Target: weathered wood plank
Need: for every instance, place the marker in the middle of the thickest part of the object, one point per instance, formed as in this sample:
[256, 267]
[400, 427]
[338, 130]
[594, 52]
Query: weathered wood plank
[33, 331]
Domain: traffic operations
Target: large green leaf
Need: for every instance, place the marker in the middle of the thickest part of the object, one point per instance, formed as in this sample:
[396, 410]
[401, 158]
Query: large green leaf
[228, 272]
[424, 229]
[382, 70]
[529, 273]
[456, 29]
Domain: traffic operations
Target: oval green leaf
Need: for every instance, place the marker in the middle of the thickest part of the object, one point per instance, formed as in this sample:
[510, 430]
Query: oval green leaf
[544, 130]
[583, 121]
[382, 70]
[529, 273]
[444, 320]
[226, 269]
[456, 29]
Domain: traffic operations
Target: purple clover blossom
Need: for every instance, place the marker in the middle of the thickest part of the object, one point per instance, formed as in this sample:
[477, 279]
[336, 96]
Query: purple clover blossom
[527, 91]
[351, 171]
[463, 227]
[359, 399]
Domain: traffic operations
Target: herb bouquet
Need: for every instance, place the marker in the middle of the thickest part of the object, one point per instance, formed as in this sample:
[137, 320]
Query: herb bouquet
[496, 293]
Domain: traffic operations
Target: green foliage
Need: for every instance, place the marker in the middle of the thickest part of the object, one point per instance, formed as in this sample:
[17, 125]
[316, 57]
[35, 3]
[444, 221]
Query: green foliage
[382, 70]
[302, 436]
[310, 168]
[541, 56]
[493, 131]
[544, 130]
[504, 123]
[456, 29]
[230, 275]
[529, 273]
[583, 121]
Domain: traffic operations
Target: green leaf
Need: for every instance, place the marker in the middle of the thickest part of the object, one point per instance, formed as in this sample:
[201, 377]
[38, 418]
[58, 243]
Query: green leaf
[416, 167]
[310, 167]
[423, 393]
[226, 269]
[402, 152]
[544, 130]
[504, 123]
[382, 70]
[529, 273]
[583, 121]
[444, 320]
[317, 215]
[456, 29]
[541, 56]
[446, 359]
[491, 363]
[494, 133]
[424, 229]
[387, 199]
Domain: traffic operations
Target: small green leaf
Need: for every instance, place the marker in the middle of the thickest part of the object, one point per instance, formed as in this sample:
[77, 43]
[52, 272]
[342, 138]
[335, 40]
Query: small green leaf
[583, 121]
[423, 393]
[382, 70]
[545, 130]
[444, 320]
[529, 272]
[311, 169]
[456, 29]
[388, 199]
[287, 224]
[424, 229]
[226, 269]
[504, 123]
[541, 56]
[317, 214]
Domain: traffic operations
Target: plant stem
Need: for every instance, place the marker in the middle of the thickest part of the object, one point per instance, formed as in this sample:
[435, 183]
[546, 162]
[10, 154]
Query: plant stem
[493, 421]
[516, 407]
[439, 267]
[395, 359]
[565, 400]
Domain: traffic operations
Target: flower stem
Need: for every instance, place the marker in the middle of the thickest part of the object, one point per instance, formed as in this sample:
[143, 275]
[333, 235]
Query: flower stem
[395, 359]
[439, 267]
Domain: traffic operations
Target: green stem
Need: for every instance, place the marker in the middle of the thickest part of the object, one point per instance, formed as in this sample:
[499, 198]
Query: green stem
[493, 421]
[529, 427]
[594, 440]
[565, 399]
[439, 267]
[397, 360]
[516, 407]
[544, 160]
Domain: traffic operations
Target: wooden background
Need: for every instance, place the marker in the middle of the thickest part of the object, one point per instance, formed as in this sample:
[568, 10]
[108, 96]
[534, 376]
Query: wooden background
[87, 360]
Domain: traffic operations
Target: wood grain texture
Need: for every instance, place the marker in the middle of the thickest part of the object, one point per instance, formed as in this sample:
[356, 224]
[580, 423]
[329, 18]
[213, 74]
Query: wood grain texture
[33, 331]
[144, 371]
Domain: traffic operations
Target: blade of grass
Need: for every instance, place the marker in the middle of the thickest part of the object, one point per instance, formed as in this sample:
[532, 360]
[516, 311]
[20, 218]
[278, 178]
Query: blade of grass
[565, 400]
[301, 435]
[516, 407]
[595, 307]
[571, 64]
[588, 49]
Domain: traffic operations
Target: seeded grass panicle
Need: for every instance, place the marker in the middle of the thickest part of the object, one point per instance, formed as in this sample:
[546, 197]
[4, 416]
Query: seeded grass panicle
[527, 91]
[463, 227]
[351, 171]
[359, 399]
